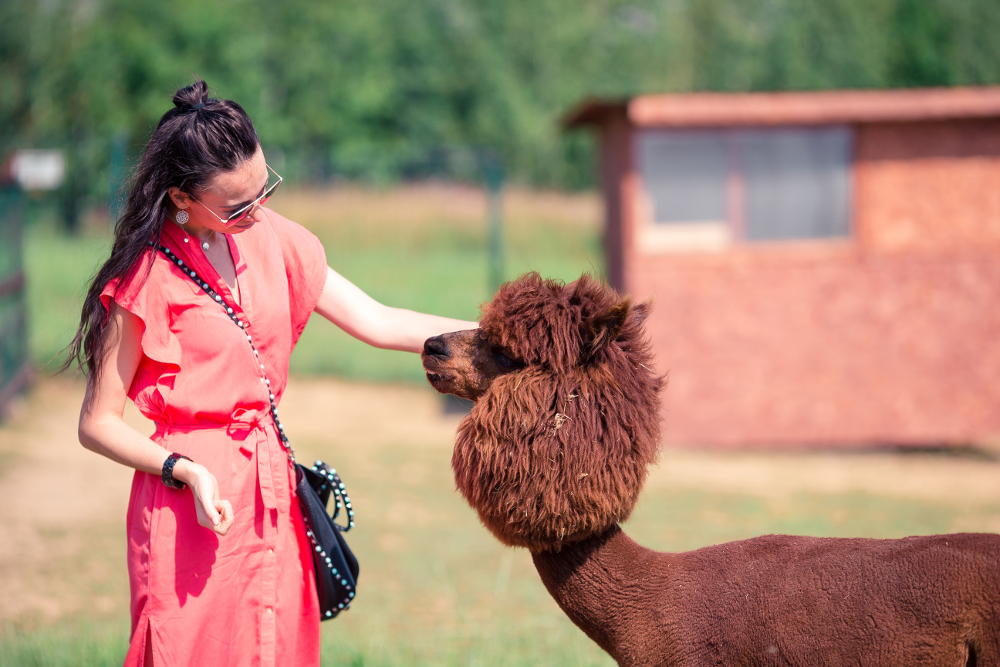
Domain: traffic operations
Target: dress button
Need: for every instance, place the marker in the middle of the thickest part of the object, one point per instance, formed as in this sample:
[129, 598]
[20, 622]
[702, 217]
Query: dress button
[269, 610]
[270, 551]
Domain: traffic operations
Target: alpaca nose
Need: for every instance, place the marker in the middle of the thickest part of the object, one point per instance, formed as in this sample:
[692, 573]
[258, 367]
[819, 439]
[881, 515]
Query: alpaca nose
[436, 347]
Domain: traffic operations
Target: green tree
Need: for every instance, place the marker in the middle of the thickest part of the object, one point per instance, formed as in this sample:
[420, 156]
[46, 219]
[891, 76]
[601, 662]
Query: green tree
[410, 88]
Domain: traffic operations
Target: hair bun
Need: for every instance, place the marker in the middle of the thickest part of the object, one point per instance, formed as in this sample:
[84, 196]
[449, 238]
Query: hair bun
[192, 97]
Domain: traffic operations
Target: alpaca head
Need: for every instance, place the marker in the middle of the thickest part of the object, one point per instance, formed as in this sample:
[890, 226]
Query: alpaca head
[564, 423]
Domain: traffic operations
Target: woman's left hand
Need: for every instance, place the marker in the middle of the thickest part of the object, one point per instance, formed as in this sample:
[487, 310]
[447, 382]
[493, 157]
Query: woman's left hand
[212, 512]
[103, 430]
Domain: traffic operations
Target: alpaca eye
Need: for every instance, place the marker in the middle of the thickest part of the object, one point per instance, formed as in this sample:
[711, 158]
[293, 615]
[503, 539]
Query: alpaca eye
[506, 361]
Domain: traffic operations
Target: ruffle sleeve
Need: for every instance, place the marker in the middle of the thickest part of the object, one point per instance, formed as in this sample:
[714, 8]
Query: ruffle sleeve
[142, 294]
[305, 266]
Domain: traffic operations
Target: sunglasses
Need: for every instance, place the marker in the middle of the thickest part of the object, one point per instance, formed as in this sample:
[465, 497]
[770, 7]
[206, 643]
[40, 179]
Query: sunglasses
[238, 216]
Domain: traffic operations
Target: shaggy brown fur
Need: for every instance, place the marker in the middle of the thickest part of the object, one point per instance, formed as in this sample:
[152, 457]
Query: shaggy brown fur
[557, 445]
[554, 453]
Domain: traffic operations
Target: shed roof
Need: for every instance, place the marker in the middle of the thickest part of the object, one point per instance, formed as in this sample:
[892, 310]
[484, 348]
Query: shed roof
[793, 108]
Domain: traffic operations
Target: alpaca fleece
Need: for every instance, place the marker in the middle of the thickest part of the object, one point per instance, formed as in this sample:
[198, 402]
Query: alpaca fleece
[785, 600]
[554, 453]
[559, 448]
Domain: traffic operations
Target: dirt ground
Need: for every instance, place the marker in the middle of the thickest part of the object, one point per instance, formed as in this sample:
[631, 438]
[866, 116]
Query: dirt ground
[62, 508]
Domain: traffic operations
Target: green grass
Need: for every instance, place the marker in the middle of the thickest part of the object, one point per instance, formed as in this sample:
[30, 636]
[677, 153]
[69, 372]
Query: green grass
[437, 589]
[58, 269]
[77, 645]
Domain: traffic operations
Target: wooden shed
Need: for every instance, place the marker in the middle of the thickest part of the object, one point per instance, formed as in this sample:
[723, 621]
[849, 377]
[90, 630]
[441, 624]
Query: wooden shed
[825, 265]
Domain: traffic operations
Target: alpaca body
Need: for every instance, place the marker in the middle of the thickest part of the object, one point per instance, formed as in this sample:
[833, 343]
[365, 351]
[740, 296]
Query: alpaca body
[553, 456]
[784, 600]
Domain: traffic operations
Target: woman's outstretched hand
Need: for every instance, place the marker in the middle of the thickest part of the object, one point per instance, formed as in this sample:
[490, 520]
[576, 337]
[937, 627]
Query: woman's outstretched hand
[213, 513]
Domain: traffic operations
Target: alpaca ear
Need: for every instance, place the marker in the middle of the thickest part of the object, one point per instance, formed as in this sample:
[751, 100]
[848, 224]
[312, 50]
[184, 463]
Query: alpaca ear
[605, 327]
[642, 311]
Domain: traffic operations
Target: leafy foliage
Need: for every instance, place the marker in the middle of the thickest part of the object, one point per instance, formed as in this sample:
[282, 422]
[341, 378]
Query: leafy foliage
[393, 89]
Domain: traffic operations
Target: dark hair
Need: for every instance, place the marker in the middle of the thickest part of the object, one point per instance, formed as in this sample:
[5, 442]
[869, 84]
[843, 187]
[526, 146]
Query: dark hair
[197, 139]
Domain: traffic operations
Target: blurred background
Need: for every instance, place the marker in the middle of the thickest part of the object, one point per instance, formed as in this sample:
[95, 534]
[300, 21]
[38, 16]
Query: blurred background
[423, 142]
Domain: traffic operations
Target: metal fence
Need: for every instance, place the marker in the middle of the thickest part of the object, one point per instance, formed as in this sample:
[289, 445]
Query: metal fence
[14, 366]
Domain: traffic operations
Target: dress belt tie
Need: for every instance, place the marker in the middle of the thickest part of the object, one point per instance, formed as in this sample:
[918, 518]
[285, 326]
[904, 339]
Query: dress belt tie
[244, 423]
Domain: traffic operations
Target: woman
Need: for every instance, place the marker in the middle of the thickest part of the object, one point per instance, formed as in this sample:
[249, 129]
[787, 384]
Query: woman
[219, 565]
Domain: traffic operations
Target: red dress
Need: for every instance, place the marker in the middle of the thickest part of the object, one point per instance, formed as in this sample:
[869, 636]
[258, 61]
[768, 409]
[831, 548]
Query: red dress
[248, 598]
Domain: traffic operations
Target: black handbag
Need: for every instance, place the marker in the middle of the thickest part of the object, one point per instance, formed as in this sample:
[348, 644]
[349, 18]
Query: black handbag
[335, 565]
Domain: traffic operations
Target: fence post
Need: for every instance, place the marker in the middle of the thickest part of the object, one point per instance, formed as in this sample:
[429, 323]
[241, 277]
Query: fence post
[493, 176]
[73, 185]
[116, 176]
[14, 366]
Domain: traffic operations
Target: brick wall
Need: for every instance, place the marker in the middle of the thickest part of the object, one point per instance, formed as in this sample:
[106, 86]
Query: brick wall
[890, 337]
[928, 186]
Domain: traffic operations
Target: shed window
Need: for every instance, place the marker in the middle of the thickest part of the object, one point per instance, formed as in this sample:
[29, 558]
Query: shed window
[749, 184]
[686, 173]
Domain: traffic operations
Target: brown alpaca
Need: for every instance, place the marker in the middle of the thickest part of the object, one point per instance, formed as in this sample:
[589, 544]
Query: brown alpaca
[554, 453]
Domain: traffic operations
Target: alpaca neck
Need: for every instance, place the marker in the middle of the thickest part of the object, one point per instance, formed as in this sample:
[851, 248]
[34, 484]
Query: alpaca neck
[606, 584]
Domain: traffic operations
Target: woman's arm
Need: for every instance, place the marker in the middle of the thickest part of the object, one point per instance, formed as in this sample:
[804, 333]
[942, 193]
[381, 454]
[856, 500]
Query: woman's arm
[103, 430]
[344, 304]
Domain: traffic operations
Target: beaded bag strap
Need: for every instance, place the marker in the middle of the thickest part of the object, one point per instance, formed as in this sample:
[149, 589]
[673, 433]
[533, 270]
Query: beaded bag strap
[337, 486]
[231, 313]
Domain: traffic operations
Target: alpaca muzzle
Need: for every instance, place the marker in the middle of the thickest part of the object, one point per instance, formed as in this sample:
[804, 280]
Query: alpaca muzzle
[436, 347]
[435, 358]
[454, 363]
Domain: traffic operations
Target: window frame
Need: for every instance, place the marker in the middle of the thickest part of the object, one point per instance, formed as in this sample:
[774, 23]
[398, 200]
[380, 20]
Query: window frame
[718, 235]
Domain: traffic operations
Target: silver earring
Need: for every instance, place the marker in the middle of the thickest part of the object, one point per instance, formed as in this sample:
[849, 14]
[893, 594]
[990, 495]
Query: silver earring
[182, 217]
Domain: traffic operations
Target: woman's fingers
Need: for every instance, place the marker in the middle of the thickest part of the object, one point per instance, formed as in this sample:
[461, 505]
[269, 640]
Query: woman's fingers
[207, 504]
[226, 517]
[213, 507]
[213, 513]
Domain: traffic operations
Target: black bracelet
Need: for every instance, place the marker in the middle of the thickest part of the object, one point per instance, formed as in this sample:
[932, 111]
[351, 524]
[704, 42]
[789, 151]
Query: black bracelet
[168, 471]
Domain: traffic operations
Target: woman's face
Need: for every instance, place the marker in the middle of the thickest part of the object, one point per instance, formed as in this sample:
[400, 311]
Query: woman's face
[226, 193]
